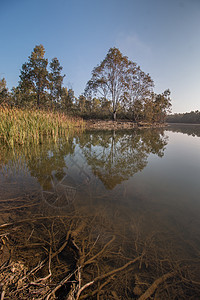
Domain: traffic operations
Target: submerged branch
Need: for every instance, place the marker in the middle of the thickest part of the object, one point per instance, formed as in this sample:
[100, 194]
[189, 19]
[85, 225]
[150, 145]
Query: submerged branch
[111, 273]
[149, 292]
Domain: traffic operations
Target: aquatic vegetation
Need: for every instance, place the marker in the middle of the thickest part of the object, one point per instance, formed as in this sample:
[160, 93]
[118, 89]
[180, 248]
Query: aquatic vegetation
[19, 126]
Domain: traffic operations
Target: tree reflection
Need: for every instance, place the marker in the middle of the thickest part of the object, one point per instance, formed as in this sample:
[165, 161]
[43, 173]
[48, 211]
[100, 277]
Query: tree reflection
[112, 156]
[49, 163]
[116, 156]
[43, 161]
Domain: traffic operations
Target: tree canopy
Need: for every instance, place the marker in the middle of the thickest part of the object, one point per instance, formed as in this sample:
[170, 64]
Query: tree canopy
[55, 81]
[34, 74]
[117, 86]
[120, 81]
[4, 94]
[40, 85]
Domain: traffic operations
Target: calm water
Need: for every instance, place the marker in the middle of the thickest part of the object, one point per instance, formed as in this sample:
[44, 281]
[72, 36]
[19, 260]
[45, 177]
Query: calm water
[148, 178]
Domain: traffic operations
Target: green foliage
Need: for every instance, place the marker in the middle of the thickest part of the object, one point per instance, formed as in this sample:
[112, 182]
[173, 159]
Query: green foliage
[120, 81]
[40, 87]
[4, 94]
[153, 109]
[34, 76]
[67, 100]
[117, 86]
[191, 117]
[55, 81]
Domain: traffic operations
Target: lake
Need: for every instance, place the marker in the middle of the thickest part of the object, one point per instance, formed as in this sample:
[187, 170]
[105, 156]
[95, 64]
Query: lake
[116, 197]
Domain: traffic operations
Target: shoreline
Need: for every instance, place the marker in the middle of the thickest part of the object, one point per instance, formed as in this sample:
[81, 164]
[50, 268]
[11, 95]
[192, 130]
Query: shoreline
[119, 124]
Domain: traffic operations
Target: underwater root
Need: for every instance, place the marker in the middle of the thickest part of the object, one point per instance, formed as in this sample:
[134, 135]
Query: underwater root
[80, 256]
[18, 282]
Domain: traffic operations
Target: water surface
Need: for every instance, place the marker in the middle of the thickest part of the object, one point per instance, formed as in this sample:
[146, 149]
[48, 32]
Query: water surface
[144, 183]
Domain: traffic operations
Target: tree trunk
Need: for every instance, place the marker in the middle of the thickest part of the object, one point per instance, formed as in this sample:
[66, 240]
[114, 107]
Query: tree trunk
[38, 100]
[114, 115]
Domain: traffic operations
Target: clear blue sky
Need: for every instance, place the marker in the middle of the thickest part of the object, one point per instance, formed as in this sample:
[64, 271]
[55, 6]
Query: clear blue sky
[162, 36]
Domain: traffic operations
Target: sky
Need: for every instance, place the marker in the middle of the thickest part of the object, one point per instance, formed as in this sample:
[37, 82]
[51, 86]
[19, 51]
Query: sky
[161, 36]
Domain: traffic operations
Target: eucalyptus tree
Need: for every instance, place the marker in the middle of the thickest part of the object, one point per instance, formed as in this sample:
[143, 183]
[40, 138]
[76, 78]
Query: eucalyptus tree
[55, 81]
[68, 99]
[109, 79]
[141, 89]
[34, 75]
[81, 105]
[4, 94]
[162, 106]
[118, 80]
[153, 109]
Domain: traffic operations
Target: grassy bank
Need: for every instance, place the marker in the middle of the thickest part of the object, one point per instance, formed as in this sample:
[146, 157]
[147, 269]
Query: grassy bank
[19, 126]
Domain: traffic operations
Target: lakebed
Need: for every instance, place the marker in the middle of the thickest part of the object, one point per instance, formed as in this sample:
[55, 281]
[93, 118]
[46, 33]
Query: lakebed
[102, 214]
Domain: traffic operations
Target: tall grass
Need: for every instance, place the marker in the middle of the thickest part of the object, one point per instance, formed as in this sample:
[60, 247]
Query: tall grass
[19, 126]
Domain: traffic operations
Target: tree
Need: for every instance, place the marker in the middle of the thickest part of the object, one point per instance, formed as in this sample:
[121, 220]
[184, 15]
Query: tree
[17, 97]
[188, 117]
[109, 80]
[162, 106]
[4, 94]
[81, 103]
[154, 108]
[141, 91]
[105, 107]
[34, 75]
[67, 99]
[55, 81]
[119, 80]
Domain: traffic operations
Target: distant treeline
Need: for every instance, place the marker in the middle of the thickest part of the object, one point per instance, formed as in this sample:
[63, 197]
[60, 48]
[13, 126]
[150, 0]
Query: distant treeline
[117, 88]
[191, 117]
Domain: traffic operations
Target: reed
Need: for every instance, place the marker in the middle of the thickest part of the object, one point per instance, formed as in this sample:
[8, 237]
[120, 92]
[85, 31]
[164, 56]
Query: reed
[19, 126]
